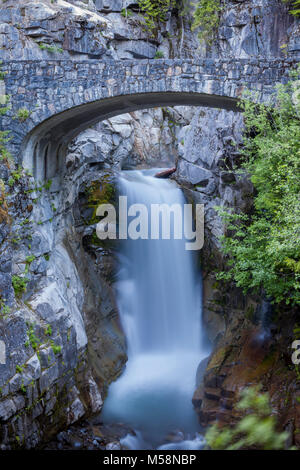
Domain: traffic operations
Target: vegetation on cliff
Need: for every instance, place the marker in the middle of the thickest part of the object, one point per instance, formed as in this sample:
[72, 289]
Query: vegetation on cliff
[206, 14]
[263, 247]
[256, 430]
[296, 7]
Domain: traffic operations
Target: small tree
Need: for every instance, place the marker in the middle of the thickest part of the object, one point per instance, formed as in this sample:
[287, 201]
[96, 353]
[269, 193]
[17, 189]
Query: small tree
[256, 430]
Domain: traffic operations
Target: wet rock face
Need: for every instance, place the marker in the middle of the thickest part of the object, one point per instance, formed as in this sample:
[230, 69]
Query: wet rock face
[251, 29]
[249, 354]
[59, 30]
[209, 149]
[251, 341]
[63, 340]
[147, 137]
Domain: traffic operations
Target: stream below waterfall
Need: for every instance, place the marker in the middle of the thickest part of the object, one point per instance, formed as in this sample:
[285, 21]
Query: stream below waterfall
[159, 300]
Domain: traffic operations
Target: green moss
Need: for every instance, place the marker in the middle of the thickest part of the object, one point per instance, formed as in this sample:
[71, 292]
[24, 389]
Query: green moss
[48, 330]
[219, 357]
[99, 192]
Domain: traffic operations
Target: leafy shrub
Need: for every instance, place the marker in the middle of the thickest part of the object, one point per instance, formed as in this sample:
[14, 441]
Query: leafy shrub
[159, 55]
[51, 49]
[23, 114]
[296, 5]
[33, 340]
[126, 13]
[207, 18]
[264, 247]
[256, 430]
[155, 11]
[19, 285]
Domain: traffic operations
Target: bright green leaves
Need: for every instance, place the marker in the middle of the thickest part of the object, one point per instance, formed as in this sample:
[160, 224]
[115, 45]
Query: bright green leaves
[264, 247]
[155, 11]
[207, 18]
[256, 430]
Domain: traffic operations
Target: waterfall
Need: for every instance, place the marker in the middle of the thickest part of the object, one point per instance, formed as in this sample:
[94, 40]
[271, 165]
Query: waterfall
[159, 300]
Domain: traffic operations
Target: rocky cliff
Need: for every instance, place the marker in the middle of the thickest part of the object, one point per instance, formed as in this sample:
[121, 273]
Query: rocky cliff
[59, 321]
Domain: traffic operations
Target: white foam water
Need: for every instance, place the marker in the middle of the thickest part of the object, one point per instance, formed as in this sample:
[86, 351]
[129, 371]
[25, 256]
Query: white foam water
[159, 300]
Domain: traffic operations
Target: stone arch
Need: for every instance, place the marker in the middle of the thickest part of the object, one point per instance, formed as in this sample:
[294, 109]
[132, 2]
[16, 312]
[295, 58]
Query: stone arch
[70, 96]
[51, 138]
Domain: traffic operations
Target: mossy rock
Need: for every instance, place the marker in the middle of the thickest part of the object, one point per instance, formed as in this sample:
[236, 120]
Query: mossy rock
[219, 357]
[99, 192]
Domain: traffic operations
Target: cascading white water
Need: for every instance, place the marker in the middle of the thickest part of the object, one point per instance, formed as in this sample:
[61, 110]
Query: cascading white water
[159, 299]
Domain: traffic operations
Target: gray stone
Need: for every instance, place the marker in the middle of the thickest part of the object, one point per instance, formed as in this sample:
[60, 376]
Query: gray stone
[75, 411]
[48, 377]
[193, 174]
[113, 446]
[72, 290]
[7, 409]
[6, 289]
[109, 5]
[33, 367]
[136, 50]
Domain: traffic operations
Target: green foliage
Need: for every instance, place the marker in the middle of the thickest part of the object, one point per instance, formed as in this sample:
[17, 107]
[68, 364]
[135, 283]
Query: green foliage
[19, 284]
[256, 430]
[126, 13]
[56, 349]
[296, 5]
[264, 247]
[32, 338]
[51, 49]
[48, 330]
[4, 309]
[28, 262]
[159, 55]
[30, 259]
[206, 18]
[17, 174]
[47, 185]
[155, 11]
[23, 114]
[4, 154]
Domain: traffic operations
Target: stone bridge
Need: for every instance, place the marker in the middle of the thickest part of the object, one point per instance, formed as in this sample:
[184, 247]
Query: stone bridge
[65, 97]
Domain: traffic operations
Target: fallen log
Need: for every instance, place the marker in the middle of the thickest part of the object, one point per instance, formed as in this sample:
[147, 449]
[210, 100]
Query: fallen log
[165, 173]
